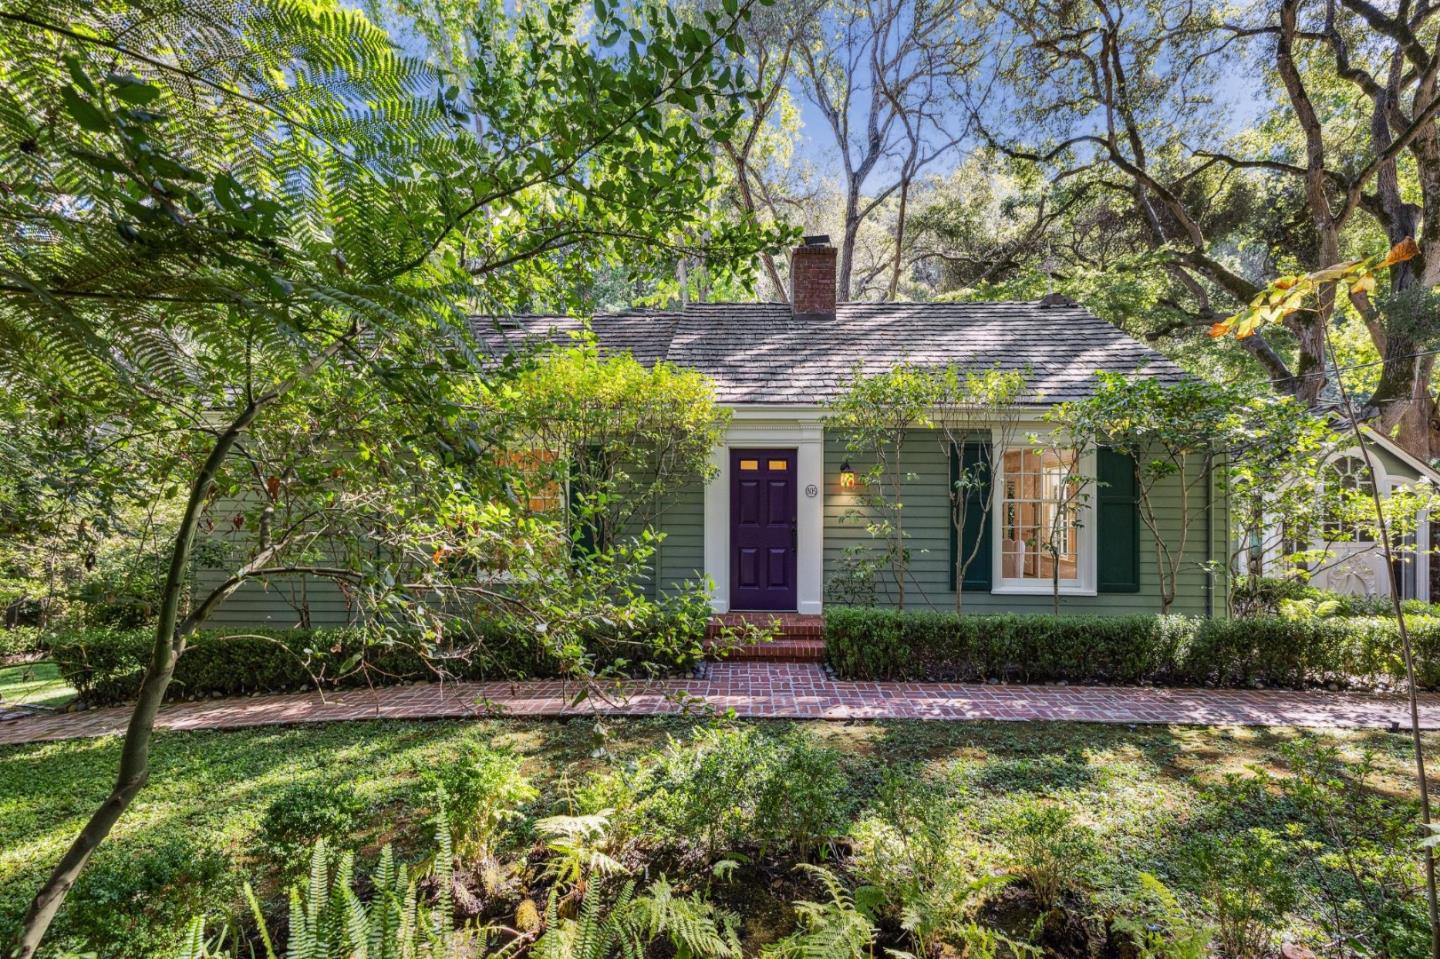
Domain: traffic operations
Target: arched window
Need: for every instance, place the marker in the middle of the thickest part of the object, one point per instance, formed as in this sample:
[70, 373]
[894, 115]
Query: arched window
[1347, 517]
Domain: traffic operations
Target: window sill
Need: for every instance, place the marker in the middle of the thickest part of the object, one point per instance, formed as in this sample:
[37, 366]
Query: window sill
[1041, 589]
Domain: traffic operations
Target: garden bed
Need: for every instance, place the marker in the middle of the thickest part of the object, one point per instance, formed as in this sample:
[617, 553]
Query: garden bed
[893, 812]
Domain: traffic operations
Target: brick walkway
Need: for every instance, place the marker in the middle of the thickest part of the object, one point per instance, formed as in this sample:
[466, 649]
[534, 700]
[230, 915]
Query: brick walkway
[764, 691]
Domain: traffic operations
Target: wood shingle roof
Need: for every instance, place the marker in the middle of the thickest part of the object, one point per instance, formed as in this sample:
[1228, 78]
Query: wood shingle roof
[760, 353]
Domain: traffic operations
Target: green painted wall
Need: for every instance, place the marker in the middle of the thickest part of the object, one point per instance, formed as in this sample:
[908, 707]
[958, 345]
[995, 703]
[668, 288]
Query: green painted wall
[926, 518]
[680, 557]
[681, 554]
[1397, 468]
[282, 603]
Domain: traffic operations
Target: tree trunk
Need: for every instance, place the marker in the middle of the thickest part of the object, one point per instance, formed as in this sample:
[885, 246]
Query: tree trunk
[899, 240]
[1414, 423]
[847, 245]
[135, 754]
[1310, 328]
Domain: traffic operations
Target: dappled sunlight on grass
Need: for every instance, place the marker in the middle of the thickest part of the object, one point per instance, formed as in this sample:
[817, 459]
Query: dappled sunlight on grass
[34, 684]
[1136, 788]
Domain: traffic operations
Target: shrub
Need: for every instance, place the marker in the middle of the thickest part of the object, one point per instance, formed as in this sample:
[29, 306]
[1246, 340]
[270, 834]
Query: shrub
[1296, 653]
[1268, 596]
[886, 644]
[135, 904]
[122, 590]
[106, 665]
[1049, 850]
[21, 641]
[916, 848]
[1262, 595]
[1249, 884]
[706, 788]
[1361, 851]
[484, 791]
[803, 800]
[306, 813]
[726, 789]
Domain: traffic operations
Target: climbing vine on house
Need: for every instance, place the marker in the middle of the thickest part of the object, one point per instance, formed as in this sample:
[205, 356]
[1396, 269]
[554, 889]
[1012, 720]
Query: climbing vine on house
[621, 436]
[875, 414]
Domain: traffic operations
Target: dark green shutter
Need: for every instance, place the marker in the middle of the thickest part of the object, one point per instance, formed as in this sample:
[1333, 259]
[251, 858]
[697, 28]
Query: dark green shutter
[583, 534]
[977, 518]
[1117, 523]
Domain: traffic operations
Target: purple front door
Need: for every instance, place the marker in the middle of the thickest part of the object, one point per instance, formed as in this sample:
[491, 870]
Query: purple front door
[762, 529]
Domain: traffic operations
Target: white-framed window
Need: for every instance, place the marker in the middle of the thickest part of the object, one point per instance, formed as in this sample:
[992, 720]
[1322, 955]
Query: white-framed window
[1043, 522]
[1351, 478]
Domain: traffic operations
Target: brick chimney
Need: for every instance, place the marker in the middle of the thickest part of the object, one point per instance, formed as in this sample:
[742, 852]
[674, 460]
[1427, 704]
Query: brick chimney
[812, 279]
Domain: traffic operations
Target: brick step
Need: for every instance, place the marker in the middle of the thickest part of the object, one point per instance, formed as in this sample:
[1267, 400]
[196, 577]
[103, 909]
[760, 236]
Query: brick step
[799, 639]
[779, 651]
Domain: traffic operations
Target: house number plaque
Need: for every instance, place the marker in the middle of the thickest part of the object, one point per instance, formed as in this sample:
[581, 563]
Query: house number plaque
[811, 491]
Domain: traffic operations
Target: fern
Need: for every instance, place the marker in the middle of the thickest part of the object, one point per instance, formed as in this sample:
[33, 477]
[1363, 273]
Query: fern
[694, 928]
[577, 846]
[835, 929]
[624, 924]
[329, 919]
[195, 945]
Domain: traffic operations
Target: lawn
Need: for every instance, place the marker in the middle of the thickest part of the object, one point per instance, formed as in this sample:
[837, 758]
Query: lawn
[33, 684]
[1142, 793]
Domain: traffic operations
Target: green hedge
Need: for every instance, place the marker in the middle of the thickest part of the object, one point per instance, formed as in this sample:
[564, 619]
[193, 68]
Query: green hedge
[1176, 650]
[106, 665]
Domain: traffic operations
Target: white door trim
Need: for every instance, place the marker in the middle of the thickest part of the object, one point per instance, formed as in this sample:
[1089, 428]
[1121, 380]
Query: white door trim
[806, 435]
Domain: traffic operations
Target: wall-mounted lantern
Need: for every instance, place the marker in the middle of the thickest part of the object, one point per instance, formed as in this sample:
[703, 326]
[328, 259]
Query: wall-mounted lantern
[847, 476]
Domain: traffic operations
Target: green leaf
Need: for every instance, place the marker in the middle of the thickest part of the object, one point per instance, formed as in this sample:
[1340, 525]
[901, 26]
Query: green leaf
[228, 193]
[72, 64]
[133, 90]
[102, 161]
[85, 113]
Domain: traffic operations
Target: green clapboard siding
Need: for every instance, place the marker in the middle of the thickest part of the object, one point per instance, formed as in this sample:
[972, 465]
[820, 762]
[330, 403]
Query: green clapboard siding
[294, 600]
[1117, 523]
[928, 465]
[681, 518]
[1125, 548]
[282, 602]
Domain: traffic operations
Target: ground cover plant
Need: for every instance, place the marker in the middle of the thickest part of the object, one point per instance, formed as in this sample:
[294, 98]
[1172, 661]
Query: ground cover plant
[696, 837]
